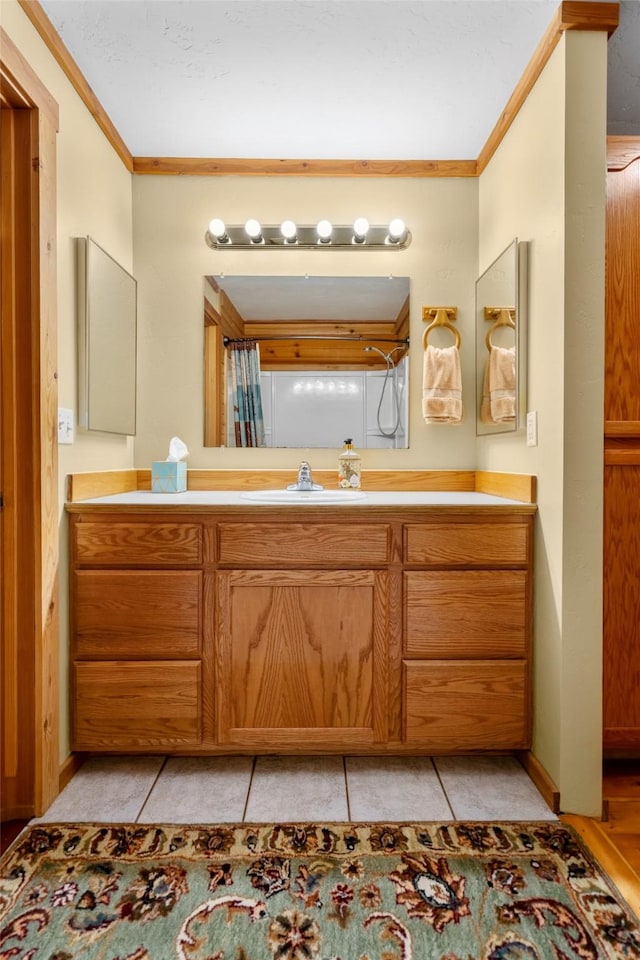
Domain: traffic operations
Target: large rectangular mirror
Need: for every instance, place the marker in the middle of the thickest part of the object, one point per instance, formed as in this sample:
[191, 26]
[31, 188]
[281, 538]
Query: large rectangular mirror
[501, 343]
[107, 303]
[332, 360]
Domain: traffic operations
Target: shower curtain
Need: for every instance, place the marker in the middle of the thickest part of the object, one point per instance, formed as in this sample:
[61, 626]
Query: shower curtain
[244, 373]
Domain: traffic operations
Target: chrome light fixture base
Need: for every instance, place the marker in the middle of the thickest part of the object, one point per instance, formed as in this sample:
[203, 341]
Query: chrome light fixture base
[306, 237]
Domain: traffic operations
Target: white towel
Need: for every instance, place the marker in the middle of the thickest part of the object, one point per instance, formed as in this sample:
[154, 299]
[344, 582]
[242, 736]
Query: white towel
[502, 384]
[441, 385]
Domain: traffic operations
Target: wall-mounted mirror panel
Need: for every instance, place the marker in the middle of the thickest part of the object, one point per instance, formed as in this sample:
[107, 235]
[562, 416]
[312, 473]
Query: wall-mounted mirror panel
[501, 343]
[333, 359]
[107, 319]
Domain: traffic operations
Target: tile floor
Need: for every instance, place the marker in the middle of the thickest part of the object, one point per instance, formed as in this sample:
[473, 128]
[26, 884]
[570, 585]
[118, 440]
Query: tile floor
[281, 789]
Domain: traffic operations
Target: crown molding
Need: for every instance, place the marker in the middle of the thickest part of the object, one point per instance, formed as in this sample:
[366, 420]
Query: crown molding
[570, 15]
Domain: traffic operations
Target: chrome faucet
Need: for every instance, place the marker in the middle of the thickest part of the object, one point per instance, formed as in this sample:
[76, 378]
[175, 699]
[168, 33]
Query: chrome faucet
[305, 480]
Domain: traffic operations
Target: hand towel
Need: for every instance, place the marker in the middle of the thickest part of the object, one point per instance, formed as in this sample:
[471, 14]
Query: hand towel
[485, 402]
[441, 385]
[502, 384]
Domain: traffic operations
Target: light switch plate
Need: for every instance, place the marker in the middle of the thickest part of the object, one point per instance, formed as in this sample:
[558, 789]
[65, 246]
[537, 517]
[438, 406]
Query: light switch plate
[532, 428]
[65, 425]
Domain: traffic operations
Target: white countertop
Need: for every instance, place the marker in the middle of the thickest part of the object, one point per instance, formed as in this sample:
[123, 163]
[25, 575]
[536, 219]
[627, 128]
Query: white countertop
[233, 498]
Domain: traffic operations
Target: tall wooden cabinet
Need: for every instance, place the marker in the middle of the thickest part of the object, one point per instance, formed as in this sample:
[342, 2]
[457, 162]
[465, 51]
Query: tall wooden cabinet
[621, 663]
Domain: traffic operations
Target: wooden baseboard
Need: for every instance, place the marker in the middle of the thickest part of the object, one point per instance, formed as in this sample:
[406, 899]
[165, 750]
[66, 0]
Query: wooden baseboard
[541, 779]
[69, 768]
[19, 812]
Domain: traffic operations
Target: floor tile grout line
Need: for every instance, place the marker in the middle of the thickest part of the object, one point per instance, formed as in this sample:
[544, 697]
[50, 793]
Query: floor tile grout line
[150, 791]
[442, 786]
[346, 788]
[246, 799]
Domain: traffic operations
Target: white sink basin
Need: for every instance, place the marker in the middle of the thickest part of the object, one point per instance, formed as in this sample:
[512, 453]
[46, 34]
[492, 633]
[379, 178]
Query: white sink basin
[304, 496]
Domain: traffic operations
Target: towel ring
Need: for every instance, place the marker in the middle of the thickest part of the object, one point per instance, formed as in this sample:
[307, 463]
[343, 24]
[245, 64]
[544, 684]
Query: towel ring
[440, 317]
[502, 317]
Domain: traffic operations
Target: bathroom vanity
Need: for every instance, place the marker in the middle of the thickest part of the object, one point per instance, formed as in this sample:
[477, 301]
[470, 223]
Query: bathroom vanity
[202, 623]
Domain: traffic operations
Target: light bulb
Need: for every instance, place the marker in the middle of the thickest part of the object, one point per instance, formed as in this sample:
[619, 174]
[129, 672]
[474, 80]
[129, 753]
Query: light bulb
[217, 228]
[288, 230]
[360, 229]
[253, 230]
[397, 230]
[324, 231]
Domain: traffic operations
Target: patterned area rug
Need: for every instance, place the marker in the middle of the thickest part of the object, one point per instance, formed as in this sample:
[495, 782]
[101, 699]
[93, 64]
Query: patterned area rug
[421, 891]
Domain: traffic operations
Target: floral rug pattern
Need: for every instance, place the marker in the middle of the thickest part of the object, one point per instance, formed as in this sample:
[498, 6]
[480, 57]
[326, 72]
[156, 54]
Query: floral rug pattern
[420, 891]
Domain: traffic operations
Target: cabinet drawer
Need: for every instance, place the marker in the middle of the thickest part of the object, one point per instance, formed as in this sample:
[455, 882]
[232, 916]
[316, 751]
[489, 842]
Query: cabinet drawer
[136, 704]
[475, 705]
[124, 544]
[307, 544]
[467, 544]
[466, 613]
[138, 614]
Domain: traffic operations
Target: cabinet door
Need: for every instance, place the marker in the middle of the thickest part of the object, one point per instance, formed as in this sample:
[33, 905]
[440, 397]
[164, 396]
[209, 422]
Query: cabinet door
[466, 614]
[137, 614]
[302, 658]
[466, 705]
[136, 705]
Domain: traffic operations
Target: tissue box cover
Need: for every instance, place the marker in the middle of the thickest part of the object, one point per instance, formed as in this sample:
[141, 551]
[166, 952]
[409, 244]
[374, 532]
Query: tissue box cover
[168, 476]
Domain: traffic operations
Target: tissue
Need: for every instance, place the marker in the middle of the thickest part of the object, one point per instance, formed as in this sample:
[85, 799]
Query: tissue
[170, 475]
[177, 449]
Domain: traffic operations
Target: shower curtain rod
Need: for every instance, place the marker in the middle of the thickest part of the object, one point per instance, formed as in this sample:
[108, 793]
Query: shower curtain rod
[316, 336]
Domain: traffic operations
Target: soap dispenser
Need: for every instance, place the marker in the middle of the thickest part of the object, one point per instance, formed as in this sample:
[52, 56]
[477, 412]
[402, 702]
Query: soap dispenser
[349, 467]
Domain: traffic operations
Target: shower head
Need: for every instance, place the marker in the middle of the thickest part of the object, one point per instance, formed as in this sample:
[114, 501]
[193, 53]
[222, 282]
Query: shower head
[387, 357]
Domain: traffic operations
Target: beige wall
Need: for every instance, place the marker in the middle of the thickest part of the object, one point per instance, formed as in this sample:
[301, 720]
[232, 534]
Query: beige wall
[546, 184]
[93, 198]
[171, 216]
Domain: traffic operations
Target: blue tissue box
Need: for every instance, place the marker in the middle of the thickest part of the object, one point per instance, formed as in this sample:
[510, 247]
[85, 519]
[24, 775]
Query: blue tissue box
[168, 476]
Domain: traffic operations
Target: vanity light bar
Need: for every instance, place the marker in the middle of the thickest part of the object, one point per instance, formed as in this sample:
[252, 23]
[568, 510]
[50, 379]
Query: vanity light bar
[323, 235]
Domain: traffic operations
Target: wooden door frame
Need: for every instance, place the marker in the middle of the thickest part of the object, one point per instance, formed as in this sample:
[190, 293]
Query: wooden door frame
[29, 437]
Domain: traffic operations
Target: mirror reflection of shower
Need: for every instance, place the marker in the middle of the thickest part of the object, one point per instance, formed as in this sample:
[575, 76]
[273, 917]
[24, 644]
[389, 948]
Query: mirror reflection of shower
[395, 391]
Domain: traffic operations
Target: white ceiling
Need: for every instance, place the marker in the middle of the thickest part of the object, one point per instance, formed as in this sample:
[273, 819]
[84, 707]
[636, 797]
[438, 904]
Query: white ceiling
[319, 79]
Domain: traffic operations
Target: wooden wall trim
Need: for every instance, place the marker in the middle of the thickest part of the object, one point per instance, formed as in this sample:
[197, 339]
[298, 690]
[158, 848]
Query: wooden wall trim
[15, 71]
[516, 486]
[541, 779]
[101, 483]
[70, 68]
[246, 167]
[36, 502]
[621, 151]
[568, 16]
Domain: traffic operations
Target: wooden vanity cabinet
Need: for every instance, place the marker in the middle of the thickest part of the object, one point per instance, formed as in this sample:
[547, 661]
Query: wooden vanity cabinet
[137, 627]
[467, 608]
[302, 633]
[241, 630]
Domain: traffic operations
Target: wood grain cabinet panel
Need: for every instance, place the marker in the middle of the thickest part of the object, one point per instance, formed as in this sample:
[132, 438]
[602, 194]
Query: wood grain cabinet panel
[217, 631]
[308, 544]
[621, 574]
[137, 614]
[621, 605]
[461, 614]
[127, 544]
[135, 705]
[303, 657]
[467, 544]
[467, 705]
